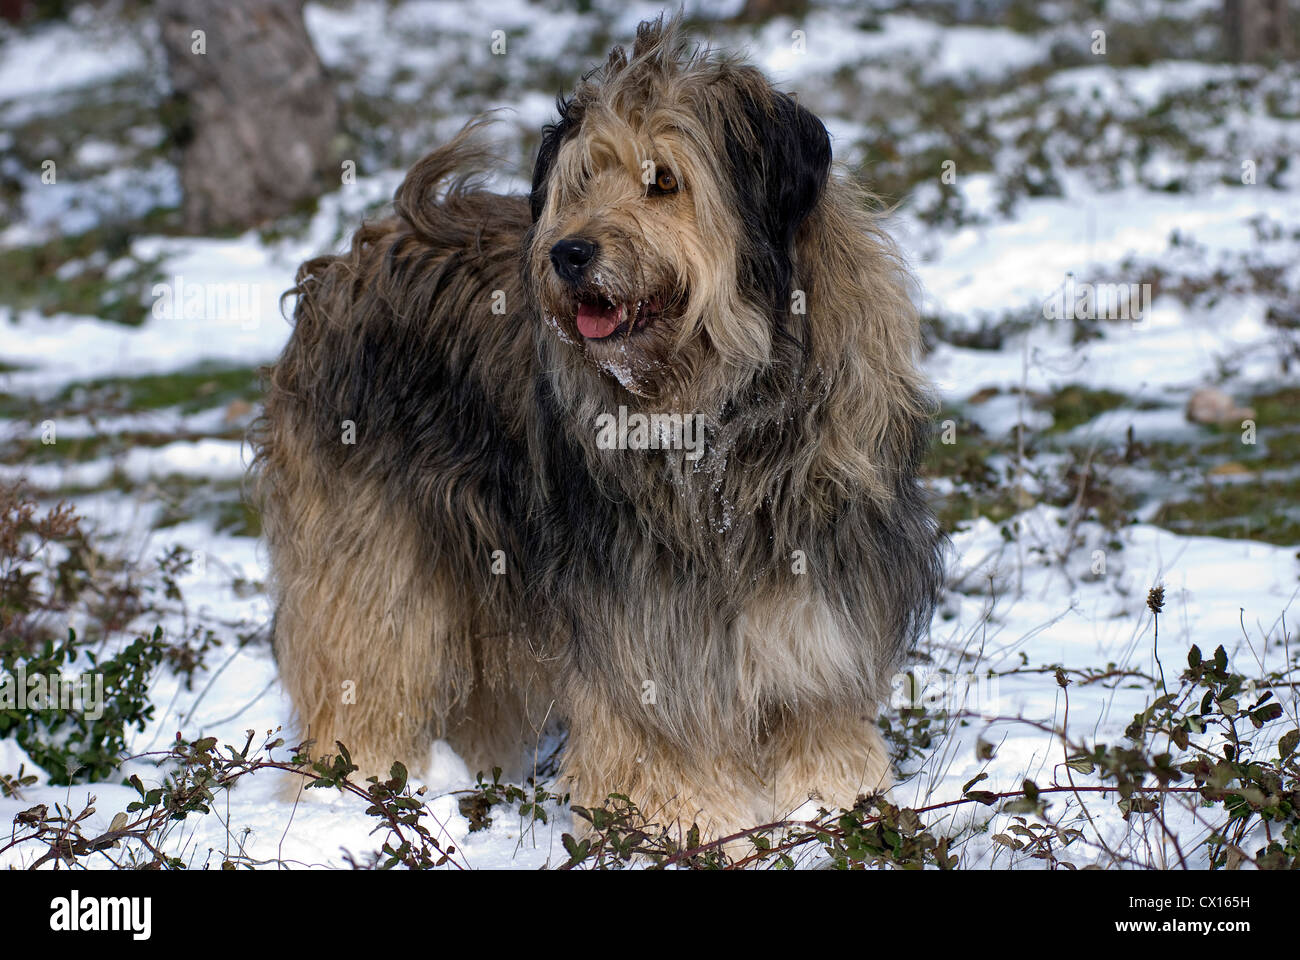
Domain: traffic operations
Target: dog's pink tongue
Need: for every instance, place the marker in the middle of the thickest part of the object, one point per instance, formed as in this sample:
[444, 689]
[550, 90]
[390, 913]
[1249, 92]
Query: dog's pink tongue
[597, 323]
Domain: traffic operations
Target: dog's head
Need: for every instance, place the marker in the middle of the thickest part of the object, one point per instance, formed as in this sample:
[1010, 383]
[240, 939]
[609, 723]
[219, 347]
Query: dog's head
[665, 205]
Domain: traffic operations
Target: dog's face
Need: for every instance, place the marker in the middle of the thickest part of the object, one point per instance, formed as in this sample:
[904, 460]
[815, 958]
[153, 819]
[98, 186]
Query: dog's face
[665, 205]
[619, 258]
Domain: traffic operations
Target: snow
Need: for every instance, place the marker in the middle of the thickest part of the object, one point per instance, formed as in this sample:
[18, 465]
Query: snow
[59, 57]
[76, 207]
[65, 348]
[980, 52]
[215, 459]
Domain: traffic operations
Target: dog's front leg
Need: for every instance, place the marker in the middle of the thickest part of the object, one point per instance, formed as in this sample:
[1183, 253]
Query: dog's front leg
[714, 785]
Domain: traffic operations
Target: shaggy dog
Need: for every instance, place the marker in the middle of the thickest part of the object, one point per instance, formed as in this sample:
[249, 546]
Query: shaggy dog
[638, 451]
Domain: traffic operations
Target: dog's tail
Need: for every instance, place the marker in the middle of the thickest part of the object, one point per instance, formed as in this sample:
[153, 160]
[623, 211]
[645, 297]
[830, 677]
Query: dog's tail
[443, 179]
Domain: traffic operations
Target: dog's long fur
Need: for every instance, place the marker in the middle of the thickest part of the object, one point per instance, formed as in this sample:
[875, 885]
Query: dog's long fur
[715, 633]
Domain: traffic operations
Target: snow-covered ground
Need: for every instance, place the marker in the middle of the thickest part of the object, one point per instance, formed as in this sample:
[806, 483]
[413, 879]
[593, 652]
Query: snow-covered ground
[1025, 590]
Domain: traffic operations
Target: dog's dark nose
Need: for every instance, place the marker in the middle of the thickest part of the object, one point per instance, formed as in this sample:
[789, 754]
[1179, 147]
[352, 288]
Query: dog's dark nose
[571, 257]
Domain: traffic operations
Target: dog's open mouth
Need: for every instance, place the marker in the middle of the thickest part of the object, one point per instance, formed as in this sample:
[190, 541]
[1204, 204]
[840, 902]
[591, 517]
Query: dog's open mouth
[600, 319]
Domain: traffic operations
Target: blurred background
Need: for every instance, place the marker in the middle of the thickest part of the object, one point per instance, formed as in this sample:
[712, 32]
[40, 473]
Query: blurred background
[1099, 199]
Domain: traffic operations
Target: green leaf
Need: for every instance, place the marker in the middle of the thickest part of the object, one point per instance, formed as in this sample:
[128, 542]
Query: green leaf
[1081, 762]
[1023, 805]
[1268, 712]
[397, 774]
[1287, 745]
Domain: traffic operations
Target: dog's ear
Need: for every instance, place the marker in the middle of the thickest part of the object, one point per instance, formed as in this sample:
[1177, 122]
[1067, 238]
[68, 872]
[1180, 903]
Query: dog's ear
[553, 135]
[796, 151]
[780, 160]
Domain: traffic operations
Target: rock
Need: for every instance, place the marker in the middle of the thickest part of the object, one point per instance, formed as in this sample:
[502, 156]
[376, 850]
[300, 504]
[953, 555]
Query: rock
[237, 411]
[1229, 469]
[1210, 405]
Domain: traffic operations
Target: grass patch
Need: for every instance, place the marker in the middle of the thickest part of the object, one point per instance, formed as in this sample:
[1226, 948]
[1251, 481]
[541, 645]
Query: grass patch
[1075, 404]
[979, 489]
[14, 407]
[69, 274]
[220, 503]
[1277, 406]
[236, 517]
[1255, 509]
[190, 390]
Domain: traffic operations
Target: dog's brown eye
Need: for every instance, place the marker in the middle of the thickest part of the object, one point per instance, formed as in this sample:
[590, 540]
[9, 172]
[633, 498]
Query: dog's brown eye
[664, 183]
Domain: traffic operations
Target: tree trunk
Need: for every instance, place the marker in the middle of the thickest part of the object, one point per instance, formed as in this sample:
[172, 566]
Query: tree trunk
[760, 11]
[1256, 29]
[254, 113]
